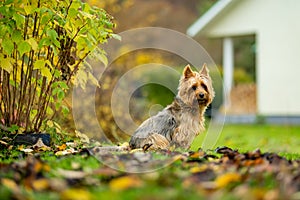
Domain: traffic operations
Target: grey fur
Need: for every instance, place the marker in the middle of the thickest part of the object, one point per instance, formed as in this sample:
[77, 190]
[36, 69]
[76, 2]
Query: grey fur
[163, 123]
[180, 122]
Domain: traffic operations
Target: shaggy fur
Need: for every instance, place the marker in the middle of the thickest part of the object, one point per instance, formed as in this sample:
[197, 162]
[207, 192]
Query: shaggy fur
[180, 122]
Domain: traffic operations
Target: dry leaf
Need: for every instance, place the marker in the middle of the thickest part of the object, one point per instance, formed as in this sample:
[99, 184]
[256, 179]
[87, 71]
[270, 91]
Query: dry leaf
[224, 179]
[26, 150]
[61, 147]
[3, 143]
[198, 169]
[11, 184]
[75, 194]
[40, 184]
[71, 174]
[198, 154]
[125, 182]
[83, 138]
[66, 152]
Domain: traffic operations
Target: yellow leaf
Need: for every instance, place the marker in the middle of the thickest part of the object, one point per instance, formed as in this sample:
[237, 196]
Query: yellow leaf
[40, 184]
[198, 154]
[49, 64]
[9, 184]
[102, 57]
[29, 9]
[34, 45]
[46, 73]
[83, 137]
[125, 182]
[6, 64]
[62, 147]
[81, 78]
[39, 64]
[66, 152]
[93, 79]
[198, 169]
[76, 194]
[178, 157]
[224, 179]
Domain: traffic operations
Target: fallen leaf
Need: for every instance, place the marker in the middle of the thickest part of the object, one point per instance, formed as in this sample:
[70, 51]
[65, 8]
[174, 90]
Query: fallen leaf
[227, 178]
[61, 147]
[11, 184]
[3, 143]
[26, 150]
[75, 194]
[71, 144]
[83, 138]
[179, 157]
[66, 152]
[198, 154]
[36, 166]
[125, 182]
[198, 169]
[71, 174]
[40, 184]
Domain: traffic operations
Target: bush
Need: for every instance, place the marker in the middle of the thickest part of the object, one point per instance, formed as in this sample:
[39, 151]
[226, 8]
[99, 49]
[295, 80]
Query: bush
[241, 76]
[43, 46]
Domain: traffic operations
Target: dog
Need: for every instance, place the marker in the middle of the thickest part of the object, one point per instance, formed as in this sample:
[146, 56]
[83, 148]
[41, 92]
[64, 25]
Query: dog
[181, 121]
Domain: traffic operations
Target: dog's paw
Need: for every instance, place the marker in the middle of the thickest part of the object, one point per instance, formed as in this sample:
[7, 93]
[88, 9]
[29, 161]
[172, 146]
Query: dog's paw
[156, 141]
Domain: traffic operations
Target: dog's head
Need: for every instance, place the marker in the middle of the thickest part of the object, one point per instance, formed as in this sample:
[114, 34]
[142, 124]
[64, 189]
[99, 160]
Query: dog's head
[196, 87]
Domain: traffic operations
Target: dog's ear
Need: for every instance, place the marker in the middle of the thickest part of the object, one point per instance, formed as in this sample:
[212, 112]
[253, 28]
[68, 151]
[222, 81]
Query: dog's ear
[204, 71]
[187, 72]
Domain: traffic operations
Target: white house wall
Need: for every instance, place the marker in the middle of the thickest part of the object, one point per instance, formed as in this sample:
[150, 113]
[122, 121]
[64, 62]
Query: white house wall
[279, 60]
[276, 24]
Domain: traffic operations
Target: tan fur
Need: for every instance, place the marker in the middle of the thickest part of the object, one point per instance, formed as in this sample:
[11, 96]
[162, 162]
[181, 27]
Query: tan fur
[191, 117]
[156, 141]
[180, 122]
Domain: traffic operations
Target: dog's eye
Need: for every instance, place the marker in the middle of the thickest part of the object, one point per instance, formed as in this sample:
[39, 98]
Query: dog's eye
[204, 86]
[194, 87]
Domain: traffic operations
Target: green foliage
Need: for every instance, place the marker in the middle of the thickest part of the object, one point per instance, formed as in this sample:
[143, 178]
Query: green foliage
[245, 49]
[241, 76]
[157, 94]
[43, 46]
[204, 6]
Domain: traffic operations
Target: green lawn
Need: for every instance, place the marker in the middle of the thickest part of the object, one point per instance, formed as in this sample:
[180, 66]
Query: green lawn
[45, 175]
[284, 140]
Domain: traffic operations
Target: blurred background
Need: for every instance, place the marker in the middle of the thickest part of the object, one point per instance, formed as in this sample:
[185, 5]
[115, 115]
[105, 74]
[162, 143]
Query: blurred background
[248, 40]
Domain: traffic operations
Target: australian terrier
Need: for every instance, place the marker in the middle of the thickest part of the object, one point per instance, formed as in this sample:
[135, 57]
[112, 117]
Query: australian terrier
[180, 122]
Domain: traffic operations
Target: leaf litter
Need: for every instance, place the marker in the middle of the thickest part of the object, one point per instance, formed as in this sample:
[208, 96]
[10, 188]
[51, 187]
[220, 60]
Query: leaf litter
[66, 171]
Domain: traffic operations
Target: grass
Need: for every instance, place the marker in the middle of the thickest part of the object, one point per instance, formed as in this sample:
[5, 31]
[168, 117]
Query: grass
[167, 183]
[284, 140]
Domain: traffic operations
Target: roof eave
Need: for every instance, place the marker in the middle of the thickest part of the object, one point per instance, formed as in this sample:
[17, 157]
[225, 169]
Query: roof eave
[203, 21]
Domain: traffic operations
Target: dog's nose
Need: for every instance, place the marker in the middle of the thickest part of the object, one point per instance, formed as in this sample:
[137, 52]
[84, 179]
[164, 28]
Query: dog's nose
[201, 95]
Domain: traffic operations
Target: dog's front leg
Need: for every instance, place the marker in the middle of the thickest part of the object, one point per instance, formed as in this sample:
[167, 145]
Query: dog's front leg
[156, 141]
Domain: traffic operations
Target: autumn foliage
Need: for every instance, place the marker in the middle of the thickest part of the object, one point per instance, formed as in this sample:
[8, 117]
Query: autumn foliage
[43, 46]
